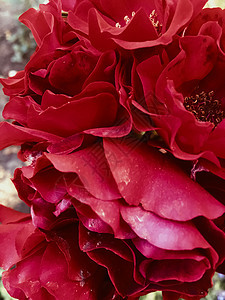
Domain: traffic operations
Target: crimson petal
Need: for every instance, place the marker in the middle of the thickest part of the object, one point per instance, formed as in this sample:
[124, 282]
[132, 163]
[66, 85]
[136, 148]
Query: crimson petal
[92, 168]
[165, 189]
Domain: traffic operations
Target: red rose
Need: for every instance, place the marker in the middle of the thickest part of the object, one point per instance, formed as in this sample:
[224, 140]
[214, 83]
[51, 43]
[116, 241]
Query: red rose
[50, 33]
[68, 90]
[49, 264]
[102, 197]
[185, 95]
[130, 24]
[163, 227]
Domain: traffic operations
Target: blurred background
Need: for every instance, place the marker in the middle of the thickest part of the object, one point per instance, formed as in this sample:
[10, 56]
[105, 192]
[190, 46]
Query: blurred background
[16, 46]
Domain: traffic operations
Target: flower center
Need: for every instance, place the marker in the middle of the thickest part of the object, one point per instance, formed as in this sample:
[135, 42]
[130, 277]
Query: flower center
[155, 22]
[126, 19]
[152, 17]
[205, 108]
[64, 14]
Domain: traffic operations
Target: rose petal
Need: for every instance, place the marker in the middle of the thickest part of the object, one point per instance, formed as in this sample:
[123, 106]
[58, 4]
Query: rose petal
[16, 135]
[13, 85]
[153, 252]
[51, 184]
[91, 166]
[164, 269]
[39, 23]
[17, 109]
[53, 276]
[66, 145]
[73, 67]
[74, 117]
[89, 241]
[23, 281]
[163, 233]
[80, 267]
[182, 15]
[165, 189]
[120, 271]
[107, 211]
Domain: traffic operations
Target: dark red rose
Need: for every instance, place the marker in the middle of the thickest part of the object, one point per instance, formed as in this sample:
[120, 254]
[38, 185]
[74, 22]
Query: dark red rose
[107, 208]
[50, 33]
[68, 90]
[184, 96]
[156, 224]
[136, 24]
[49, 264]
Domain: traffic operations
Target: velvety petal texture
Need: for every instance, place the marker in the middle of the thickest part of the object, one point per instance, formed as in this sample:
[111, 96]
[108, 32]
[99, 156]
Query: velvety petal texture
[119, 115]
[137, 24]
[153, 238]
[49, 264]
[186, 73]
[127, 157]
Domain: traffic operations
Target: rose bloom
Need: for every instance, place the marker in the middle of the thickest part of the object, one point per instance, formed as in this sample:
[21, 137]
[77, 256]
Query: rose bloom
[157, 231]
[130, 24]
[48, 264]
[68, 90]
[184, 96]
[100, 195]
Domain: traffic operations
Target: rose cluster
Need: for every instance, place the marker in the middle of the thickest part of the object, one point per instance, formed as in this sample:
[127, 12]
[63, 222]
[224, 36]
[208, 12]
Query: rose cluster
[120, 115]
